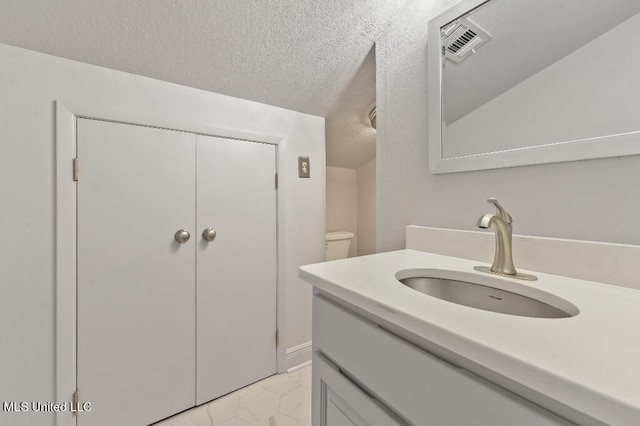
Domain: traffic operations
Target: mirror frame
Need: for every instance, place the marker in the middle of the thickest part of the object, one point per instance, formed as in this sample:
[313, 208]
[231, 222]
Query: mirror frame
[583, 149]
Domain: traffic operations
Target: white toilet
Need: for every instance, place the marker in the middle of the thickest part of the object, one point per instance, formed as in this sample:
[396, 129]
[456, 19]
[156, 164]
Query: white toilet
[337, 246]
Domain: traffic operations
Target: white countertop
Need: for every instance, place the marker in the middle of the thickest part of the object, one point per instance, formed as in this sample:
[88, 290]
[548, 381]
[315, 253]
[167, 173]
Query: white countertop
[589, 362]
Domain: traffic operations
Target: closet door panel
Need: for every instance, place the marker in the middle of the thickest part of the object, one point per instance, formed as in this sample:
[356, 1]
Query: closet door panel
[236, 272]
[136, 284]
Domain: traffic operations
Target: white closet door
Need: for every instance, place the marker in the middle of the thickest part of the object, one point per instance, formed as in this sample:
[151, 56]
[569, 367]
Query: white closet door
[136, 284]
[236, 272]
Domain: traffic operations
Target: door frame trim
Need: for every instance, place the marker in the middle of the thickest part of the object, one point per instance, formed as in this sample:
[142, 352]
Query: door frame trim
[66, 232]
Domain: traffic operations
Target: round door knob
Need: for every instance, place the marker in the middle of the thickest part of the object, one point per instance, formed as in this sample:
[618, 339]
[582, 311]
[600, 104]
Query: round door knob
[182, 236]
[209, 234]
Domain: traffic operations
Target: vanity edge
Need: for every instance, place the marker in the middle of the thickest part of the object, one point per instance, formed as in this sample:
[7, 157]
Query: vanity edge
[356, 283]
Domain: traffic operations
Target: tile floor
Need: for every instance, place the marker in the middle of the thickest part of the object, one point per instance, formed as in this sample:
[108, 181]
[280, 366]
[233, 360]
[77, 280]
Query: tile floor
[280, 400]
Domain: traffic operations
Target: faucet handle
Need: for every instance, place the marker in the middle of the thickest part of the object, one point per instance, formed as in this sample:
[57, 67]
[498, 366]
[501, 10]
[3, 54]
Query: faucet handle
[504, 215]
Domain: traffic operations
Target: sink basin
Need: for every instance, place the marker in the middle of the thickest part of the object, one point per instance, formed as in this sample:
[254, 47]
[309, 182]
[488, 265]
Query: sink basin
[483, 293]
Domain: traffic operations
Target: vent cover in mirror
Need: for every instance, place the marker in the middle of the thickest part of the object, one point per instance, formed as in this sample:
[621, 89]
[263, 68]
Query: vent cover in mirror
[461, 38]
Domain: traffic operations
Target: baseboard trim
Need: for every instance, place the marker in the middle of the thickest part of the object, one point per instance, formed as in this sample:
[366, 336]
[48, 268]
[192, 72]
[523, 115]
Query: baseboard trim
[298, 367]
[298, 356]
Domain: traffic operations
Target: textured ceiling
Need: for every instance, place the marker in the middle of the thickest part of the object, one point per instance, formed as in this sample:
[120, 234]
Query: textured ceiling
[527, 36]
[296, 54]
[352, 149]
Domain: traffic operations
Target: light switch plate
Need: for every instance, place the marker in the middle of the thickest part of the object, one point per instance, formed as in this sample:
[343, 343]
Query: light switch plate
[304, 167]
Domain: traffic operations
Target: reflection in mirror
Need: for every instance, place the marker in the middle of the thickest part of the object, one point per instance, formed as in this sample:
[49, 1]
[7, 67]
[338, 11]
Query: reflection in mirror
[518, 74]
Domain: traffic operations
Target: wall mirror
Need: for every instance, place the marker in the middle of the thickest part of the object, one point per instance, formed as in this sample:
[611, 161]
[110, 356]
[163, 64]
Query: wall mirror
[518, 82]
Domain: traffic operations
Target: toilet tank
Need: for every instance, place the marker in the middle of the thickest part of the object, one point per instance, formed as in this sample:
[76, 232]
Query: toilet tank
[337, 246]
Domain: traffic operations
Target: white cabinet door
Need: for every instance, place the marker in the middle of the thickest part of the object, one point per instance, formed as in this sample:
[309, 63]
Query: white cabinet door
[236, 272]
[339, 402]
[136, 284]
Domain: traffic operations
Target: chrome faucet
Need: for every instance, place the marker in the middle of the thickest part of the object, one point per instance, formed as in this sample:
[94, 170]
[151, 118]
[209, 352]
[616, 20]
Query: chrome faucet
[503, 260]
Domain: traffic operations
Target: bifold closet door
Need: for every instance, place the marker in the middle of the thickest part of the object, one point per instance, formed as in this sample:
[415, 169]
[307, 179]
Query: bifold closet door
[136, 283]
[236, 271]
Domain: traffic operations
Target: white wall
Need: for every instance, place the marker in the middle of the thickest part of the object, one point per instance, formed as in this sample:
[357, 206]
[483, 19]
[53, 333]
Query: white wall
[586, 200]
[557, 104]
[30, 83]
[351, 205]
[367, 208]
[342, 203]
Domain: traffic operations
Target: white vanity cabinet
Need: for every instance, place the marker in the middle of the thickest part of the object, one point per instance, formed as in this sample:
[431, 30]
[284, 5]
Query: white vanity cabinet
[365, 375]
[341, 402]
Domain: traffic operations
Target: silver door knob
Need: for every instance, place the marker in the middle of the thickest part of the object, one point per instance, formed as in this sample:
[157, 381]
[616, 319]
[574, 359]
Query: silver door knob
[209, 234]
[182, 236]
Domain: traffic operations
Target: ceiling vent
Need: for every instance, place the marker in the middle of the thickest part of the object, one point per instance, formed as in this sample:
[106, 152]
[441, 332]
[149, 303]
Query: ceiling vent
[461, 38]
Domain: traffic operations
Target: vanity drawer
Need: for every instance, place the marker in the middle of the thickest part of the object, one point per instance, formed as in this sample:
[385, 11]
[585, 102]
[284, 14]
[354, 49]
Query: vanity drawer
[420, 387]
[341, 402]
